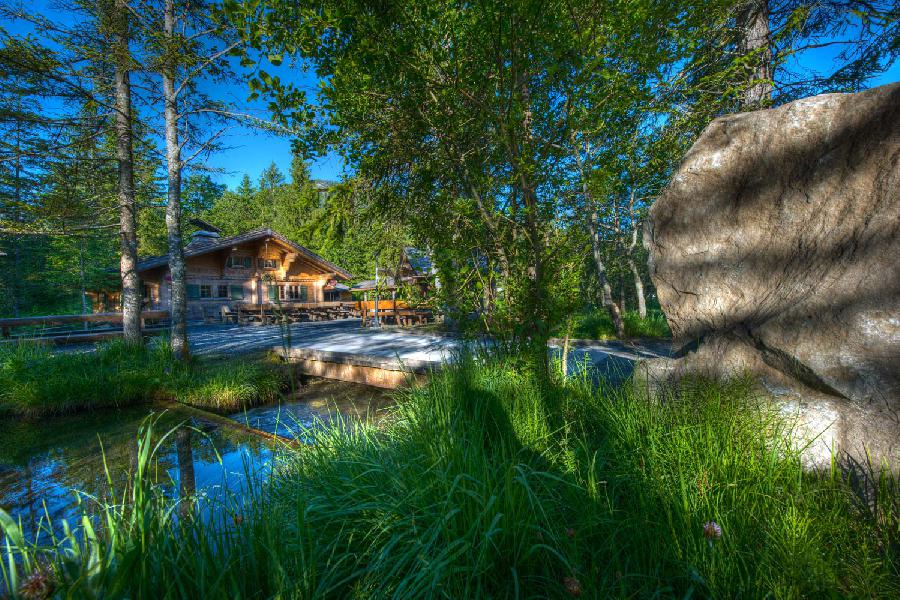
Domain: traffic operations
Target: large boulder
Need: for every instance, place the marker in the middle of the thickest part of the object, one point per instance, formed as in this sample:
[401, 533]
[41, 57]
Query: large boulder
[775, 250]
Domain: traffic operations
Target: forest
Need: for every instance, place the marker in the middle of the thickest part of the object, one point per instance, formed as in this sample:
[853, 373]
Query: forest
[520, 145]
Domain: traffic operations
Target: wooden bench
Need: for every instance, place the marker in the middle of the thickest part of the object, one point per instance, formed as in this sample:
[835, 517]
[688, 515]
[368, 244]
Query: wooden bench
[228, 315]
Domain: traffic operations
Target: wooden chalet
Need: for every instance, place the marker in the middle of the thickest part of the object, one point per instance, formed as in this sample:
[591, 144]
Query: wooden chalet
[414, 268]
[260, 267]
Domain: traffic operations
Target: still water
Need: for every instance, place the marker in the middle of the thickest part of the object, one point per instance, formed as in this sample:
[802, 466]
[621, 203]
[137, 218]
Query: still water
[43, 463]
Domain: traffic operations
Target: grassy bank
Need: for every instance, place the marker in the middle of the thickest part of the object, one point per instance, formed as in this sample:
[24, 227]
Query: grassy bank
[597, 325]
[485, 484]
[36, 381]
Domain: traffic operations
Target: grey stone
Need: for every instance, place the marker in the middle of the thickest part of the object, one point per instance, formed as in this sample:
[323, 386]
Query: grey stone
[775, 251]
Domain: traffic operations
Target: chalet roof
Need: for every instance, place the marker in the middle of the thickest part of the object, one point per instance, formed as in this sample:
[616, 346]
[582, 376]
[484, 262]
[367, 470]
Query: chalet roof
[418, 260]
[369, 284]
[250, 236]
[204, 225]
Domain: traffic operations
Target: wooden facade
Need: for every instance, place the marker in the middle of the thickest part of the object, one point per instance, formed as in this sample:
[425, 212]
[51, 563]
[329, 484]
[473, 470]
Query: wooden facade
[258, 267]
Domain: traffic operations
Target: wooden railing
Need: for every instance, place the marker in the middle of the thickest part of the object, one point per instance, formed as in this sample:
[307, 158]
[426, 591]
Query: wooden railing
[6, 325]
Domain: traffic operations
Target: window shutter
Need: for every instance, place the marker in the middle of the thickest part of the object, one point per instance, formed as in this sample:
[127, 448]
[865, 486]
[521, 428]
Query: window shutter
[303, 294]
[237, 292]
[248, 262]
[273, 293]
[193, 291]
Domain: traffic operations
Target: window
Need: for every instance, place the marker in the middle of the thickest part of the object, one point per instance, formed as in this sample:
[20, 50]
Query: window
[296, 292]
[239, 262]
[267, 263]
[222, 291]
[237, 292]
[205, 290]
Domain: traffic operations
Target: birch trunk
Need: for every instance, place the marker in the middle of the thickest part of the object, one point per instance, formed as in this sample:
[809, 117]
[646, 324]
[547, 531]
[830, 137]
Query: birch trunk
[178, 293]
[638, 288]
[632, 265]
[131, 285]
[606, 298]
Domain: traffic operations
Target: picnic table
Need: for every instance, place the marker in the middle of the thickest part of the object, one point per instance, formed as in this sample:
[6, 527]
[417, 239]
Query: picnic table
[291, 312]
[394, 311]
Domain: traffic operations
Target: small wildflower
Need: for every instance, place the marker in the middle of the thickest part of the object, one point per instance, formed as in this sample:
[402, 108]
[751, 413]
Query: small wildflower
[712, 531]
[572, 585]
[37, 586]
[570, 532]
[238, 519]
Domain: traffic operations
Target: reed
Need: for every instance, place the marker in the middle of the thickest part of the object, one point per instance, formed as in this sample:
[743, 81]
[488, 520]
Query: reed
[35, 380]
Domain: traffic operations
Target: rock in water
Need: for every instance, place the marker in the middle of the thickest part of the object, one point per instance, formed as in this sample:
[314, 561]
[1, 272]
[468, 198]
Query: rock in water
[775, 250]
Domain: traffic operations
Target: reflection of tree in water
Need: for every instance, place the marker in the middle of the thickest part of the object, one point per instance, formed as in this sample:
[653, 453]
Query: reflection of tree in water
[187, 483]
[46, 461]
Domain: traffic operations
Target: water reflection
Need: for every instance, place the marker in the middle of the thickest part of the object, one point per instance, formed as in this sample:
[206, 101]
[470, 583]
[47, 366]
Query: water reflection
[316, 404]
[41, 463]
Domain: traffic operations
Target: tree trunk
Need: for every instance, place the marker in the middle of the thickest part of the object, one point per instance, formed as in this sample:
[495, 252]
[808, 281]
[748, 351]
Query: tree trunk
[753, 22]
[178, 292]
[84, 300]
[131, 284]
[638, 288]
[605, 289]
[17, 249]
[602, 281]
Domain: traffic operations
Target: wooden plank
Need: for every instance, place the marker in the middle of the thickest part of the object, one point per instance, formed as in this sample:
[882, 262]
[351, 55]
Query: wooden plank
[80, 337]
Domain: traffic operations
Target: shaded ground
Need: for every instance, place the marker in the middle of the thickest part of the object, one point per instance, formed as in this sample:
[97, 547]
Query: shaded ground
[331, 336]
[613, 360]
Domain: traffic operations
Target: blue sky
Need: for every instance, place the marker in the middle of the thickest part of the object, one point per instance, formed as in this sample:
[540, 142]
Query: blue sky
[251, 150]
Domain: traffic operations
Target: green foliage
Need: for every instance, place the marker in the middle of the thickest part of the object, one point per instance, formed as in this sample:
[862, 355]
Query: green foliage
[488, 483]
[35, 380]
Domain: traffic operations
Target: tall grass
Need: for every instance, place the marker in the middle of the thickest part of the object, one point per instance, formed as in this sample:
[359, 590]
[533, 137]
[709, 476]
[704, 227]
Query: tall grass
[597, 325]
[35, 380]
[486, 484]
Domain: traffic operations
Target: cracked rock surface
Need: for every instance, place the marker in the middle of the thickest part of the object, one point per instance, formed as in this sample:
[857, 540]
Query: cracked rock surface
[775, 250]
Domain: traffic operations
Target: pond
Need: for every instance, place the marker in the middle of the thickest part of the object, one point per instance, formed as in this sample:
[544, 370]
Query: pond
[42, 463]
